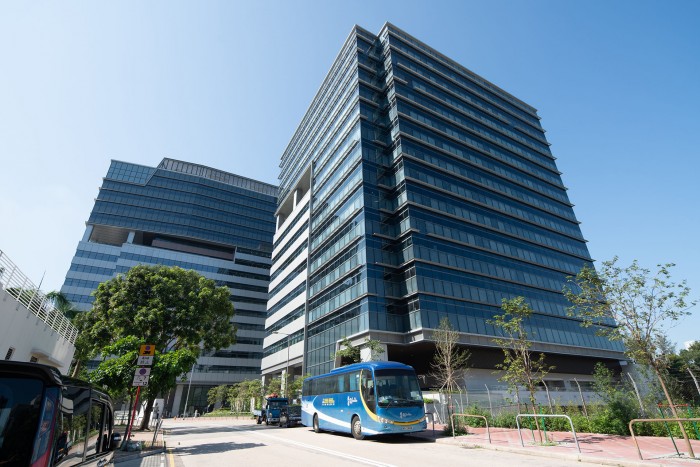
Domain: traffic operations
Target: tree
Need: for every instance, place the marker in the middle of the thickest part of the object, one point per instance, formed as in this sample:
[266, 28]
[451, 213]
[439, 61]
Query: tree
[217, 394]
[449, 362]
[240, 394]
[274, 386]
[62, 304]
[631, 305]
[351, 354]
[520, 367]
[177, 311]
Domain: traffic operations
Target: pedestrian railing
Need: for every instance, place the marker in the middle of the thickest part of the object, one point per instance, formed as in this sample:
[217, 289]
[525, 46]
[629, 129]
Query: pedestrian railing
[432, 419]
[517, 423]
[659, 420]
[468, 415]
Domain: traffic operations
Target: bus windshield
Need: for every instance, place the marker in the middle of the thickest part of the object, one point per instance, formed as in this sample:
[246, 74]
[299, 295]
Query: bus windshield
[397, 388]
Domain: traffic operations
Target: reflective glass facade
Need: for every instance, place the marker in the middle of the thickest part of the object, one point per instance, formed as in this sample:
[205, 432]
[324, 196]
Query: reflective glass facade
[182, 214]
[431, 193]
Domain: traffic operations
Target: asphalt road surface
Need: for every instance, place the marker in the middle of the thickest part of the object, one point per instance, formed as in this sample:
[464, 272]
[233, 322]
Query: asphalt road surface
[211, 443]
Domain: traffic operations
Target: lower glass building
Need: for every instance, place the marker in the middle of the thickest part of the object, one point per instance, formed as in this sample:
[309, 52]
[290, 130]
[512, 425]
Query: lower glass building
[414, 190]
[195, 217]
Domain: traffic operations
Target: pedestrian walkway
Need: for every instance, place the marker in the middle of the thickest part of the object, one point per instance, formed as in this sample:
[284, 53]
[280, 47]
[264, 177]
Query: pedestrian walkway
[595, 448]
[147, 447]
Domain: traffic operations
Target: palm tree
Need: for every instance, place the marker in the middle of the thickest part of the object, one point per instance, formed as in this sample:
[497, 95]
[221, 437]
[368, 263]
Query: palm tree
[62, 304]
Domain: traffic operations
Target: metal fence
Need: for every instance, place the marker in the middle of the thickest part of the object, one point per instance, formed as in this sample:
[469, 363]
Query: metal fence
[19, 287]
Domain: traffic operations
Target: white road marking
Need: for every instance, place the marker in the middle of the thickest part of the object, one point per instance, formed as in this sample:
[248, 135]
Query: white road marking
[342, 455]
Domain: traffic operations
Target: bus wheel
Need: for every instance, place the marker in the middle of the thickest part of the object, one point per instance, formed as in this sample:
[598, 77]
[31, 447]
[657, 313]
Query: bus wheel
[316, 427]
[357, 428]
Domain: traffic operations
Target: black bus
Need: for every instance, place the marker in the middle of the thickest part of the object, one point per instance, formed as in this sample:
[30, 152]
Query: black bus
[47, 419]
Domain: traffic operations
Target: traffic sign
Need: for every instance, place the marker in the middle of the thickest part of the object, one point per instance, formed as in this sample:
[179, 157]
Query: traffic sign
[147, 350]
[140, 381]
[145, 361]
[143, 372]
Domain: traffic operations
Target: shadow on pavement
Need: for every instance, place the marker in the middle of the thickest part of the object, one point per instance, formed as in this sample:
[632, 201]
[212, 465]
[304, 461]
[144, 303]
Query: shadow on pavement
[214, 448]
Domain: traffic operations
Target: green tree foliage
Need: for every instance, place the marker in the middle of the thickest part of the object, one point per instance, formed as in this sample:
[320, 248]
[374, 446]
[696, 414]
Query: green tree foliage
[296, 385]
[274, 386]
[349, 353]
[240, 394]
[640, 303]
[176, 310]
[520, 367]
[62, 304]
[218, 394]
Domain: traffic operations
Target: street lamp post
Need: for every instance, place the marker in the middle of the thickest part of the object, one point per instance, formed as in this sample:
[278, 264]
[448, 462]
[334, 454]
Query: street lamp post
[286, 375]
[187, 399]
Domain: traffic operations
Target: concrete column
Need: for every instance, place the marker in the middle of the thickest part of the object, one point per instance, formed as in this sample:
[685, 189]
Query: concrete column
[130, 238]
[177, 399]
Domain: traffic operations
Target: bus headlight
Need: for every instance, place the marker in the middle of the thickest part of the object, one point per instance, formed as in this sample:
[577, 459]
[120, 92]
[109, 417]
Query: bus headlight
[384, 420]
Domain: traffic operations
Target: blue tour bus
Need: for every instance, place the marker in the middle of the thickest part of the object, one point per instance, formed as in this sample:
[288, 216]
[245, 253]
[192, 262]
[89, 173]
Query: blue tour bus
[371, 398]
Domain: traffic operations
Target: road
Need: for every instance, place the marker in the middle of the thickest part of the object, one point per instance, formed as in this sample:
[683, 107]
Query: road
[205, 443]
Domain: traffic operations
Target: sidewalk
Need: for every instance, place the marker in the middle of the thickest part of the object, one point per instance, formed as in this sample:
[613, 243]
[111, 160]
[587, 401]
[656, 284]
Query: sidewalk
[146, 438]
[595, 448]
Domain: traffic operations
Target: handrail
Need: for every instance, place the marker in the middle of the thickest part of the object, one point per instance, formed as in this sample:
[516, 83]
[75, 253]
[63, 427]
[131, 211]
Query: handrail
[654, 420]
[488, 431]
[517, 422]
[23, 291]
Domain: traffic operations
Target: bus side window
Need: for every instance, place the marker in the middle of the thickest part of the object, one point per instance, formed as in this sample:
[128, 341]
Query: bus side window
[73, 426]
[96, 428]
[354, 381]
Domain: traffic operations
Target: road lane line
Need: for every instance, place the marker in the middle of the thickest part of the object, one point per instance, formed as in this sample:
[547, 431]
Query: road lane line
[342, 455]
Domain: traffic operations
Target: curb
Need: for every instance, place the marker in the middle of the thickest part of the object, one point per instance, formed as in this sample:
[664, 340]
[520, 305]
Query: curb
[137, 455]
[553, 455]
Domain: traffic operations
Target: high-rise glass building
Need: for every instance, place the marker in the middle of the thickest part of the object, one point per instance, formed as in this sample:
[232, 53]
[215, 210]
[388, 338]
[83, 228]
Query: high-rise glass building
[188, 215]
[414, 190]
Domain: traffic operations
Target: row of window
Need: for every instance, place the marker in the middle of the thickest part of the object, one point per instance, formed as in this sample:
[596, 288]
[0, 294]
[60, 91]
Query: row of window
[347, 164]
[551, 217]
[288, 298]
[284, 343]
[300, 212]
[147, 224]
[418, 89]
[146, 259]
[292, 257]
[194, 207]
[430, 69]
[98, 256]
[232, 354]
[348, 234]
[442, 130]
[144, 216]
[300, 231]
[497, 177]
[342, 70]
[349, 208]
[327, 208]
[479, 237]
[491, 139]
[194, 193]
[289, 318]
[470, 259]
[490, 219]
[464, 150]
[336, 269]
[292, 275]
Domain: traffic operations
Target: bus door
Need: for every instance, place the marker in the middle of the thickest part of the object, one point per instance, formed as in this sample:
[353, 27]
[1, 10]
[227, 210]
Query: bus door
[368, 390]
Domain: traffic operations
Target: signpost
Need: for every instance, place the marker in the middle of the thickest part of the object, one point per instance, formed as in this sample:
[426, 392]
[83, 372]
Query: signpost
[141, 376]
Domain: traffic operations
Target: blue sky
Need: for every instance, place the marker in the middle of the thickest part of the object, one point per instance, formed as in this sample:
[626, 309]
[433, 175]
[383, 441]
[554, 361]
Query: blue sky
[225, 84]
